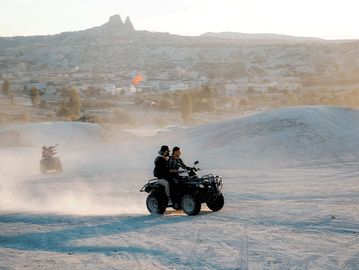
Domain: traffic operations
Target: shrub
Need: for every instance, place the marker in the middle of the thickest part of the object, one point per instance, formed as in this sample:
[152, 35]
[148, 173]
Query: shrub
[6, 87]
[34, 95]
[88, 118]
[74, 103]
[164, 104]
[186, 107]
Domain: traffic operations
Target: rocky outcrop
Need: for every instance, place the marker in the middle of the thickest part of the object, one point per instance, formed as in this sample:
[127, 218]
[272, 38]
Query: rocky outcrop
[115, 24]
[128, 25]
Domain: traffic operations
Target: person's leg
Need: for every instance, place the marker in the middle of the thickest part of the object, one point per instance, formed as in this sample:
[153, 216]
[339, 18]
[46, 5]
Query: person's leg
[173, 192]
[165, 183]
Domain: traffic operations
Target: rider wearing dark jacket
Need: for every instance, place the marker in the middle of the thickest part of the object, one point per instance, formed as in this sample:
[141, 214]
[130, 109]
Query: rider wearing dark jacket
[174, 163]
[161, 170]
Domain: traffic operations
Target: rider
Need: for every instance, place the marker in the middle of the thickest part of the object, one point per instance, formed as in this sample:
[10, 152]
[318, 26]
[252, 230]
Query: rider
[161, 171]
[48, 152]
[44, 152]
[174, 163]
[52, 150]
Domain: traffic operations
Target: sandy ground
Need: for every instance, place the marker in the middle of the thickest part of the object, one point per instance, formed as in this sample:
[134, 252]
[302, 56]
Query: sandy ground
[280, 212]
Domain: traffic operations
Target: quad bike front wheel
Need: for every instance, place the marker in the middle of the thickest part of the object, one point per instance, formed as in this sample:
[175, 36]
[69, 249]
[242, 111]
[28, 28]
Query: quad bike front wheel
[58, 166]
[156, 203]
[216, 204]
[190, 205]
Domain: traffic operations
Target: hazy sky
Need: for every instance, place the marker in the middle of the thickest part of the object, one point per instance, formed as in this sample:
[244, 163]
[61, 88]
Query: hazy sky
[331, 19]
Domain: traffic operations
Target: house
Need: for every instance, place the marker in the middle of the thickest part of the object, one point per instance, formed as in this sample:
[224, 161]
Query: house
[259, 87]
[178, 86]
[242, 84]
[237, 87]
[289, 86]
[151, 85]
[109, 88]
[231, 89]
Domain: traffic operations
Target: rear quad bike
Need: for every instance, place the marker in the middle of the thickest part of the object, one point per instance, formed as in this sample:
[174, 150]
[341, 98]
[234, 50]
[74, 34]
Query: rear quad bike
[49, 161]
[50, 164]
[189, 194]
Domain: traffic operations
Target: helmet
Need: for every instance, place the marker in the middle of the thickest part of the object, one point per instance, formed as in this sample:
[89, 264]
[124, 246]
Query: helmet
[163, 149]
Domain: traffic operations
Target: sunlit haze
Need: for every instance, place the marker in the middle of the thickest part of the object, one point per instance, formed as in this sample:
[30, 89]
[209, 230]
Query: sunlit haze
[330, 19]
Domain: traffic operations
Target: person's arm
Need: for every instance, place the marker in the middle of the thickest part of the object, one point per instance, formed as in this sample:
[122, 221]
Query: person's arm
[183, 166]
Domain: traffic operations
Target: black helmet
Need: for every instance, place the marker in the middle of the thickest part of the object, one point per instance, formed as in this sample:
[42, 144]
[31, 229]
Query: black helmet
[163, 149]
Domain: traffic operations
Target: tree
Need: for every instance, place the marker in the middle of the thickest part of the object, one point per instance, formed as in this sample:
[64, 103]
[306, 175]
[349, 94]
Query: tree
[206, 102]
[186, 107]
[34, 95]
[138, 101]
[206, 92]
[250, 90]
[91, 91]
[6, 87]
[164, 104]
[75, 103]
[71, 108]
[63, 110]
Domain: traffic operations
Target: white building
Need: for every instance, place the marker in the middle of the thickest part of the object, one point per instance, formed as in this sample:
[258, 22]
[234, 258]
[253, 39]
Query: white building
[178, 86]
[242, 84]
[231, 89]
[259, 87]
[289, 86]
[109, 88]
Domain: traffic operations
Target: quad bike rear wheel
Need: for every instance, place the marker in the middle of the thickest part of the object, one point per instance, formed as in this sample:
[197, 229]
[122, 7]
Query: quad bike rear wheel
[43, 168]
[156, 203]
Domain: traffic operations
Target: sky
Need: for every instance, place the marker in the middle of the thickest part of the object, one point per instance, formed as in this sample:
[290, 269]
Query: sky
[329, 19]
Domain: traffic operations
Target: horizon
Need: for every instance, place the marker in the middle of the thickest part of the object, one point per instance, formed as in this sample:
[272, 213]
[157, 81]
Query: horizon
[332, 20]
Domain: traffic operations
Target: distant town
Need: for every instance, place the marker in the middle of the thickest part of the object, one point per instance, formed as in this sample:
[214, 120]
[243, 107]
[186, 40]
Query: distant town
[113, 73]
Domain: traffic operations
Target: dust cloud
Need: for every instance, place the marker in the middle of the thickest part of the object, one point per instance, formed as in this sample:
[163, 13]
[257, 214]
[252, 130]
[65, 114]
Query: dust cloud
[98, 178]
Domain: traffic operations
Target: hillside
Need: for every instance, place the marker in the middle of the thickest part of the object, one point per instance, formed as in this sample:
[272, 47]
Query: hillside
[118, 46]
[288, 136]
[267, 37]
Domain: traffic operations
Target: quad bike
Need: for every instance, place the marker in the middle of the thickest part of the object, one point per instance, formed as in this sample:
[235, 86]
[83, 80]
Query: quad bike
[189, 194]
[50, 163]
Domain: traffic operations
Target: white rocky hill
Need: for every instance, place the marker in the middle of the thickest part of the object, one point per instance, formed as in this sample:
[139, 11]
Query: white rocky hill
[289, 136]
